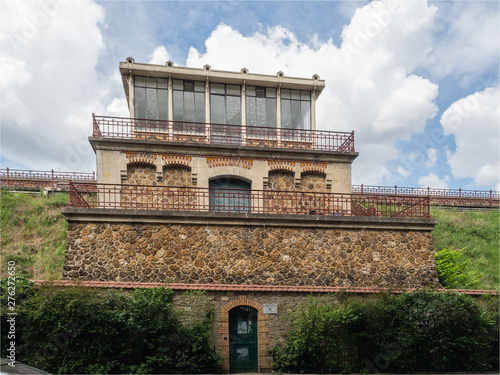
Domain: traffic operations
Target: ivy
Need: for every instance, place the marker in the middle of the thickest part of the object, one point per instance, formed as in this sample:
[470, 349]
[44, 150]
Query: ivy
[89, 330]
[452, 268]
[422, 331]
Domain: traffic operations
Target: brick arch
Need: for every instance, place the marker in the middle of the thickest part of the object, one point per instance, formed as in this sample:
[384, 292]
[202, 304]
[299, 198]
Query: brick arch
[140, 163]
[176, 160]
[263, 340]
[134, 158]
[281, 166]
[236, 172]
[319, 168]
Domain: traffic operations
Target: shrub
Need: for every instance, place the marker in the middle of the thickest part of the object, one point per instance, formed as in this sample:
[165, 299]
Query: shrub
[422, 331]
[88, 330]
[452, 268]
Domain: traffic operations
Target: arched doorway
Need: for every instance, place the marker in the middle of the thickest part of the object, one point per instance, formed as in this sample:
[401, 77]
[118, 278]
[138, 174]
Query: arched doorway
[243, 339]
[229, 194]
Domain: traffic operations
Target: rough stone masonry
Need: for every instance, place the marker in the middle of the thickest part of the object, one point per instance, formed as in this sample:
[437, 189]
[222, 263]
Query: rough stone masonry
[249, 254]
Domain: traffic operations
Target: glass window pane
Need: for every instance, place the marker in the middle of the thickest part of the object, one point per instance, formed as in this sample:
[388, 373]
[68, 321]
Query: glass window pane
[217, 109]
[140, 102]
[250, 90]
[188, 106]
[199, 86]
[150, 82]
[271, 113]
[199, 106]
[188, 86]
[285, 94]
[163, 105]
[233, 110]
[295, 114]
[270, 92]
[233, 90]
[286, 120]
[178, 105]
[261, 111]
[177, 84]
[251, 112]
[305, 95]
[140, 81]
[306, 115]
[151, 104]
[217, 88]
[260, 92]
[162, 83]
[295, 94]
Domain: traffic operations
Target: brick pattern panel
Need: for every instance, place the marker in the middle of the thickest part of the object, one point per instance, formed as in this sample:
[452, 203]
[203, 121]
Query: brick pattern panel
[309, 182]
[145, 176]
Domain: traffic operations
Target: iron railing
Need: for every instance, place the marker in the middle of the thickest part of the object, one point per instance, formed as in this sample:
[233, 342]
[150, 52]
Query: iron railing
[437, 196]
[146, 197]
[220, 134]
[21, 178]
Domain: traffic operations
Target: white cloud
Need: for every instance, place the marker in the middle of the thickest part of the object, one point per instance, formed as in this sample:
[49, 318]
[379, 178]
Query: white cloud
[118, 108]
[475, 120]
[432, 155]
[466, 38]
[160, 56]
[403, 171]
[434, 181]
[50, 50]
[369, 85]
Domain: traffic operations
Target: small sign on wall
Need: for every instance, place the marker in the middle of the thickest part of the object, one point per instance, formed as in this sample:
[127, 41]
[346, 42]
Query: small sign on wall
[270, 308]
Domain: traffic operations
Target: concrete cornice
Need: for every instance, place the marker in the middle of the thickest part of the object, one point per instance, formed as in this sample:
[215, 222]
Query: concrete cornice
[110, 144]
[221, 76]
[104, 215]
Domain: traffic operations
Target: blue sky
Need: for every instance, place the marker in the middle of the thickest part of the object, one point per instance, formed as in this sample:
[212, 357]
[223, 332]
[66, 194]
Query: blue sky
[417, 80]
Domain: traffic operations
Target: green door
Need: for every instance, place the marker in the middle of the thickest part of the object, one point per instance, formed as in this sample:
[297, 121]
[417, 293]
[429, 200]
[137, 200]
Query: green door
[243, 339]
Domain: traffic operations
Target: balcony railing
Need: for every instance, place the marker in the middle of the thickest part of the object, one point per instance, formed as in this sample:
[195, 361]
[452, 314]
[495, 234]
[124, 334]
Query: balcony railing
[437, 196]
[220, 134]
[145, 197]
[20, 178]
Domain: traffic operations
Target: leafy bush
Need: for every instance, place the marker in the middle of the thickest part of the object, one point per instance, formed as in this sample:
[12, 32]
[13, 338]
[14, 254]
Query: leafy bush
[422, 331]
[452, 268]
[88, 330]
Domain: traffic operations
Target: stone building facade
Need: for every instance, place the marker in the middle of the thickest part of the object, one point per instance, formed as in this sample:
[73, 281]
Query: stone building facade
[221, 181]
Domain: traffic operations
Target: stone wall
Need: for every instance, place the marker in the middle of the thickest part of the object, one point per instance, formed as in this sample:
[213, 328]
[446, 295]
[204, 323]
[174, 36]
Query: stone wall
[273, 328]
[249, 254]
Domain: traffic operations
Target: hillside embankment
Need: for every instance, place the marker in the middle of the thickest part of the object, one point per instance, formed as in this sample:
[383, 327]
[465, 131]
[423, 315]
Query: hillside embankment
[33, 234]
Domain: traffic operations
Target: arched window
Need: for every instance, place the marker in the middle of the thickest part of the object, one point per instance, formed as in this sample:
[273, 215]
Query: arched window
[229, 195]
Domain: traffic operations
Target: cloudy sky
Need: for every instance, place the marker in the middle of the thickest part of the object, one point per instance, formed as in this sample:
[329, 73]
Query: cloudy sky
[417, 80]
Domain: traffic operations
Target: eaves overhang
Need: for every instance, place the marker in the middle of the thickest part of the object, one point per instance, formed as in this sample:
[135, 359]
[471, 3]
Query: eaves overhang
[158, 146]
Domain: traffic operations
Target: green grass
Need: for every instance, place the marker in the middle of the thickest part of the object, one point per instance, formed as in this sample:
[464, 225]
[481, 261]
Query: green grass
[33, 234]
[475, 232]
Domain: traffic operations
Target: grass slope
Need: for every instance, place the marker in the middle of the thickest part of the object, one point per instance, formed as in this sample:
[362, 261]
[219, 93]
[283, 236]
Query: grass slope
[475, 232]
[33, 234]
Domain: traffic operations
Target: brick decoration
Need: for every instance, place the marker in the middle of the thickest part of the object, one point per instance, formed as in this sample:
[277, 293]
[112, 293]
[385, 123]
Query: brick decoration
[230, 162]
[313, 167]
[176, 159]
[281, 165]
[140, 158]
[263, 331]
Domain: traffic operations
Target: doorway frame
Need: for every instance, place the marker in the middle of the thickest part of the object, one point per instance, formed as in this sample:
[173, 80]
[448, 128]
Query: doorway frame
[262, 335]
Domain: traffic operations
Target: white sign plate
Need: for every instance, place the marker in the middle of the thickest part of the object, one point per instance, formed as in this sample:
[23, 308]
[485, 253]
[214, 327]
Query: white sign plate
[271, 308]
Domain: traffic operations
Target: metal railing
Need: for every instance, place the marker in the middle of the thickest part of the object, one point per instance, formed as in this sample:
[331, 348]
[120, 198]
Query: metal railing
[146, 197]
[21, 178]
[220, 134]
[437, 196]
